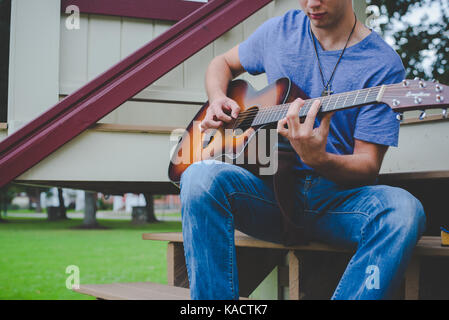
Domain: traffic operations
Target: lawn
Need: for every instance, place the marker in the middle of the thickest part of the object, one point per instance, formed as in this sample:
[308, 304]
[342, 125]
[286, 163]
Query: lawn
[35, 254]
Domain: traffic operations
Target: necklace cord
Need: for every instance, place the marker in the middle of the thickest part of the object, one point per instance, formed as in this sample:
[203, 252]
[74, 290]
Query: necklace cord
[326, 86]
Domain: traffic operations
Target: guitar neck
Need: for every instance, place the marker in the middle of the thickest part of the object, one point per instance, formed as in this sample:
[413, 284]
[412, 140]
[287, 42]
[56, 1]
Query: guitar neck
[331, 103]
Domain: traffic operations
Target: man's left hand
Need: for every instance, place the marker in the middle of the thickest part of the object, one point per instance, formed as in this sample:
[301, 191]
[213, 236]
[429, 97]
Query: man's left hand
[308, 142]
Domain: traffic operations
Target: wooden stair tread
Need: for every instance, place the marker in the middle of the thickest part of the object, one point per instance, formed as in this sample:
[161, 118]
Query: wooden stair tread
[134, 291]
[428, 246]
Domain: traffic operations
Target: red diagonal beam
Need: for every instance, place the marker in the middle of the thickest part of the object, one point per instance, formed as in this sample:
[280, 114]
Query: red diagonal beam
[71, 116]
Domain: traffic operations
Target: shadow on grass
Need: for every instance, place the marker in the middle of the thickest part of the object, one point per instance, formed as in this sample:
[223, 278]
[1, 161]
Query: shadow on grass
[91, 227]
[15, 223]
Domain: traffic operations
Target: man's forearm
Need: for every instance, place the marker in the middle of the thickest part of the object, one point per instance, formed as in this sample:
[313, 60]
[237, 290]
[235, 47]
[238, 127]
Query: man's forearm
[218, 75]
[348, 169]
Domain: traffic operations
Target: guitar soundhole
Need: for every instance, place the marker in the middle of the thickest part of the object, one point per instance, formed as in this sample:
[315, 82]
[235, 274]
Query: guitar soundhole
[245, 120]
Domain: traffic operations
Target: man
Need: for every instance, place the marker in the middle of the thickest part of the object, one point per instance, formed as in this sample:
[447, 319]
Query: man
[323, 49]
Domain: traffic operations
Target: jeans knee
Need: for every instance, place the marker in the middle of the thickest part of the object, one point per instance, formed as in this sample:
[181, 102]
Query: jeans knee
[205, 177]
[408, 213]
[194, 178]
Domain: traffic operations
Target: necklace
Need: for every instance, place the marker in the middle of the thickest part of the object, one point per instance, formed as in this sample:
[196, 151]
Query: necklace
[327, 87]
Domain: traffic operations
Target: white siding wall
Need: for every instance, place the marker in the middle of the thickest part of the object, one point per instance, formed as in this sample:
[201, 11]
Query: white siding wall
[33, 63]
[103, 41]
[98, 44]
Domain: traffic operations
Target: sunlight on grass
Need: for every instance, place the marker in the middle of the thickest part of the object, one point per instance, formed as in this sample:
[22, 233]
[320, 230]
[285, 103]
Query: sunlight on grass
[35, 254]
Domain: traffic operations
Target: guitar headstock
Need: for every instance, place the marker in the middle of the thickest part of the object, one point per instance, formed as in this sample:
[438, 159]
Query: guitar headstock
[417, 95]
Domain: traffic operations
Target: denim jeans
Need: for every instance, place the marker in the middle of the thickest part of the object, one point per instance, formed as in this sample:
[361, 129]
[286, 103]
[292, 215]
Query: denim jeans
[381, 223]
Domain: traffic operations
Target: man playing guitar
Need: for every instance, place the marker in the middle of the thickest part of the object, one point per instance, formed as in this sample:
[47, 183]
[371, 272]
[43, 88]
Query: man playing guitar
[323, 49]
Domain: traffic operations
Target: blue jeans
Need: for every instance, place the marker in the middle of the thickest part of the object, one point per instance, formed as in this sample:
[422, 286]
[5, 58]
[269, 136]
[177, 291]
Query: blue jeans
[382, 223]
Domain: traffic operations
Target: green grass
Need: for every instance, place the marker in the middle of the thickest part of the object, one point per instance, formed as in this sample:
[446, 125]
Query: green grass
[34, 255]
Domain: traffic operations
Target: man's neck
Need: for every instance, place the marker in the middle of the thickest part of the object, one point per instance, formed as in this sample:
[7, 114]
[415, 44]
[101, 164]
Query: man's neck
[334, 37]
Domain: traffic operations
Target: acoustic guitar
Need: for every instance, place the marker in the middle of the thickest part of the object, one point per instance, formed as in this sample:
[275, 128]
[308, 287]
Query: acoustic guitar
[239, 141]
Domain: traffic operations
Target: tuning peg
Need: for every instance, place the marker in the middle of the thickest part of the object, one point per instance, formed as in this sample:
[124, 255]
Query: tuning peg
[418, 100]
[438, 88]
[423, 115]
[440, 98]
[405, 83]
[400, 116]
[422, 84]
[417, 78]
[444, 113]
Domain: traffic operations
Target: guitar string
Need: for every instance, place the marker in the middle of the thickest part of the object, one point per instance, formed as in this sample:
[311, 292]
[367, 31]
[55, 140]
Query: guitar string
[281, 114]
[323, 99]
[326, 99]
[267, 116]
[268, 112]
[336, 97]
[333, 97]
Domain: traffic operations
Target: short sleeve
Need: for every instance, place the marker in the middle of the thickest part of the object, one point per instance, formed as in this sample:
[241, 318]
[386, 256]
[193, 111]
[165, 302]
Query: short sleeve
[378, 123]
[252, 50]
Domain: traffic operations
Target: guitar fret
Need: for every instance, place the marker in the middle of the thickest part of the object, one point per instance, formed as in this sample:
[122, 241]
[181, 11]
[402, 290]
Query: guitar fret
[367, 95]
[344, 104]
[356, 97]
[327, 103]
[277, 113]
[303, 111]
[336, 102]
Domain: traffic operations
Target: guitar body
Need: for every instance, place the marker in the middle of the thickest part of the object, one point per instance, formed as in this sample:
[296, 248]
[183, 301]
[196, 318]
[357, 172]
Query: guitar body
[237, 141]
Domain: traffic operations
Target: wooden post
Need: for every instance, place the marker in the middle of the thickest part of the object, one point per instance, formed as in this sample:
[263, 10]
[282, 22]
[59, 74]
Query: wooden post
[176, 265]
[412, 279]
[293, 276]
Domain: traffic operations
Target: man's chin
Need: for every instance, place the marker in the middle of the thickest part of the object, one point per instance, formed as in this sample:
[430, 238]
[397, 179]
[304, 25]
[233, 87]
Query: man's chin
[321, 24]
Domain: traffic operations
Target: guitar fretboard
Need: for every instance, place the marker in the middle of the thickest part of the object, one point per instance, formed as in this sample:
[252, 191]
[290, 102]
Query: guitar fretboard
[328, 104]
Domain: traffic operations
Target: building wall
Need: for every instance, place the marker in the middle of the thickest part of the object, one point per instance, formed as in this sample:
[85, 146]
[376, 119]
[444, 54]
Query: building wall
[33, 64]
[102, 41]
[99, 43]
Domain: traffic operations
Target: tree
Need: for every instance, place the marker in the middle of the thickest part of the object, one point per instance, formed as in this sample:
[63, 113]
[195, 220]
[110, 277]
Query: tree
[423, 47]
[62, 208]
[150, 216]
[90, 210]
[3, 203]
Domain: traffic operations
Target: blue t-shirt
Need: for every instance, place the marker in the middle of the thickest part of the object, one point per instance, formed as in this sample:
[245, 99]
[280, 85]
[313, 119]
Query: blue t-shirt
[283, 47]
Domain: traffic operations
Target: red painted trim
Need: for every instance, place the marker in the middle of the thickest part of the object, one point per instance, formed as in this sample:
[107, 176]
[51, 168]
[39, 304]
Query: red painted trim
[172, 10]
[71, 116]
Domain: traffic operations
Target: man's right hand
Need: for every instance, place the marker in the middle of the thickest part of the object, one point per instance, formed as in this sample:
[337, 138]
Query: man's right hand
[220, 110]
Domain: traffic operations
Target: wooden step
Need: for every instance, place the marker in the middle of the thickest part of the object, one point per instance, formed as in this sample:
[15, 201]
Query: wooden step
[134, 291]
[427, 246]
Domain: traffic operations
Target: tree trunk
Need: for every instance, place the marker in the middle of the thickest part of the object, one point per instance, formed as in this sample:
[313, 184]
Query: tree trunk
[38, 201]
[90, 210]
[150, 216]
[62, 209]
[3, 204]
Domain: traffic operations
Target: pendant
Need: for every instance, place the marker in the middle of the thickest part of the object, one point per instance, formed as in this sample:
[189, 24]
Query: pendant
[327, 92]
